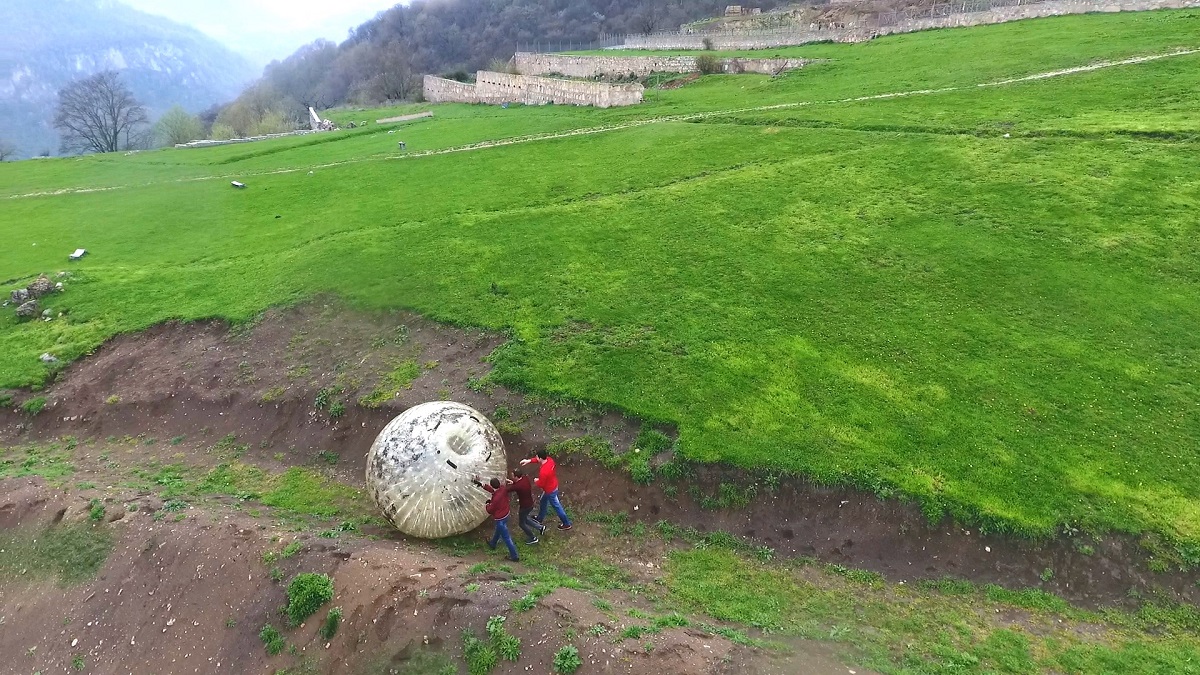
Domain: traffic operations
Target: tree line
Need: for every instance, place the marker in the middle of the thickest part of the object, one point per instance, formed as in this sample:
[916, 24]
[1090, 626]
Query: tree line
[384, 59]
[381, 61]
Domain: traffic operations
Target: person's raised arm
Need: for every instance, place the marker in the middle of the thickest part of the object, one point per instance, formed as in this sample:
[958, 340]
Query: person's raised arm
[489, 488]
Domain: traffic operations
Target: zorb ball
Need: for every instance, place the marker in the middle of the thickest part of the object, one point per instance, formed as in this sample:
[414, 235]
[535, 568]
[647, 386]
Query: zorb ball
[420, 468]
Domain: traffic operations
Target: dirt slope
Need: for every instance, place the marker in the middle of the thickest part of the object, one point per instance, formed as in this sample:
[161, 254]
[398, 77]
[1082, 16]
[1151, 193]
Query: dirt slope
[190, 595]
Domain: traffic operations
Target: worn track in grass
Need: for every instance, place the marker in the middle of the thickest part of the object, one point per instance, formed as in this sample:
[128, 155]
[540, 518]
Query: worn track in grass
[688, 117]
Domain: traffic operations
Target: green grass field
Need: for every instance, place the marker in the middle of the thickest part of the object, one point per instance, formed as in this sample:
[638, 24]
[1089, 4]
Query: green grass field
[888, 293]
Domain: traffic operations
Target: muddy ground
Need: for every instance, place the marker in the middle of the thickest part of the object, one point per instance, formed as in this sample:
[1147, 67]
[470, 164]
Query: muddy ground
[198, 383]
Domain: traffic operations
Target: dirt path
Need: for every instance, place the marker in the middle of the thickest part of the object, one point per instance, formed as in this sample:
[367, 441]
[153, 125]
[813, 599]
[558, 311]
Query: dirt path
[588, 131]
[198, 382]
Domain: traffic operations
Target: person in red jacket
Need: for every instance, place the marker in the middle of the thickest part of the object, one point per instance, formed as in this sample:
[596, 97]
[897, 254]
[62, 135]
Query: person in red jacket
[548, 480]
[524, 490]
[498, 508]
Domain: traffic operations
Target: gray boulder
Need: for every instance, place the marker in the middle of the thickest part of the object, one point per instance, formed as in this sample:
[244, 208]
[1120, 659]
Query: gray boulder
[41, 286]
[28, 310]
[19, 296]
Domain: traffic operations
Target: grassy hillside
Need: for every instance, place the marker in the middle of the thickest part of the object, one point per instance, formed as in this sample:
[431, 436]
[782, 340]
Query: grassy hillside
[888, 292]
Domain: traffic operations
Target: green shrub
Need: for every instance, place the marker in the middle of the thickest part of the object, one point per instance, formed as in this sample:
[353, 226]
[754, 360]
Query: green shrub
[292, 549]
[524, 603]
[271, 639]
[306, 594]
[566, 660]
[34, 405]
[671, 621]
[652, 442]
[708, 64]
[323, 399]
[332, 621]
[480, 656]
[640, 471]
[676, 469]
[509, 646]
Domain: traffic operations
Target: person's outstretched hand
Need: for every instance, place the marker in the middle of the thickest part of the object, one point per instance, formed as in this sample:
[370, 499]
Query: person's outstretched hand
[524, 462]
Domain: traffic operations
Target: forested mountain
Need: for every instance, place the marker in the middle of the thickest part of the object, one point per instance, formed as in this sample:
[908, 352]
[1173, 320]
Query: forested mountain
[45, 44]
[384, 58]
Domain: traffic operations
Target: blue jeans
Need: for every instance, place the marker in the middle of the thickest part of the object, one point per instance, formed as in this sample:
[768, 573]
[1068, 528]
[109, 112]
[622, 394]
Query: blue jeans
[551, 499]
[502, 533]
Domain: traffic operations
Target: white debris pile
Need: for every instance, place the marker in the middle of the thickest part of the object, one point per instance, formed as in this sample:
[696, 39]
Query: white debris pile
[319, 124]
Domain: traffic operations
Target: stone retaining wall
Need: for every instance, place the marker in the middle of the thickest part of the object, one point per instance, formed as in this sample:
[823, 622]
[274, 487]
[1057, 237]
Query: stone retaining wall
[497, 88]
[528, 63]
[785, 38]
[441, 90]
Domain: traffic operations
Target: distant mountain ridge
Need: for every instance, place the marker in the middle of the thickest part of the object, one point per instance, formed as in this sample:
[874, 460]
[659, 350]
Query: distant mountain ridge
[44, 44]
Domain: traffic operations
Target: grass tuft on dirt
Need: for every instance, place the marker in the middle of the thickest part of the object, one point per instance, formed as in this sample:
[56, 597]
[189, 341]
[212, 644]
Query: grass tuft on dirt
[50, 462]
[391, 384]
[68, 553]
[306, 593]
[333, 620]
[298, 490]
[272, 639]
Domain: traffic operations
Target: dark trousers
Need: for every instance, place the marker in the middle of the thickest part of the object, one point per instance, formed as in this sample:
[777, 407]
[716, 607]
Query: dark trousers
[527, 524]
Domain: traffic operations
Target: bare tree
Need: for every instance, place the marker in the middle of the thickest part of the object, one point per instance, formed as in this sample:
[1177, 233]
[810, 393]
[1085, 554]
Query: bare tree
[7, 151]
[303, 76]
[97, 113]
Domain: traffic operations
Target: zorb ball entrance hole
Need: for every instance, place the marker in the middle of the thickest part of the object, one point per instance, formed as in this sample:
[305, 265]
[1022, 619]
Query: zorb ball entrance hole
[420, 467]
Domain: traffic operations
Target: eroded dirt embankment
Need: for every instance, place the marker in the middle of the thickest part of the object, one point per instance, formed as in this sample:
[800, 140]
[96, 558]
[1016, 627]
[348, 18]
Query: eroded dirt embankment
[260, 384]
[191, 596]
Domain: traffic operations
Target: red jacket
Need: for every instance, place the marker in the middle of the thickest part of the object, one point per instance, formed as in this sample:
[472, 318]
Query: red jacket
[548, 476]
[498, 505]
[524, 492]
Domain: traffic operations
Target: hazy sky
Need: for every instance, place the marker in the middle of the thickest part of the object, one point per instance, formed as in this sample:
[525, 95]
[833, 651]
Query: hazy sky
[267, 29]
